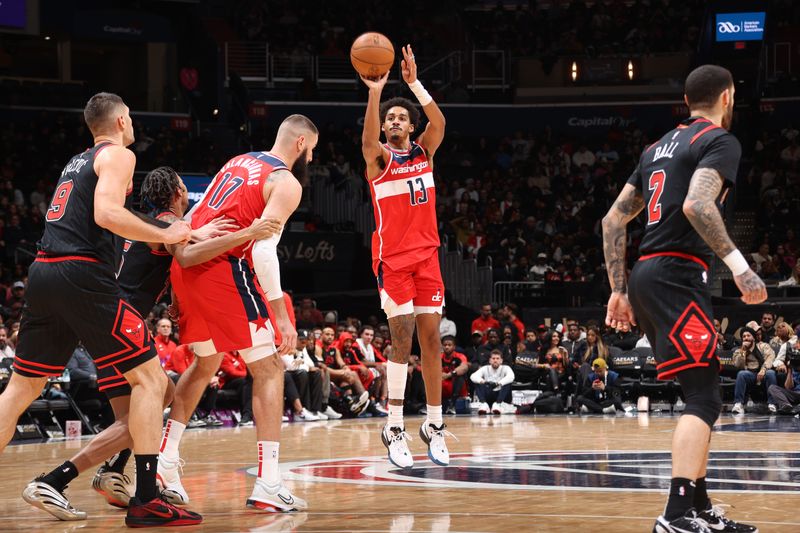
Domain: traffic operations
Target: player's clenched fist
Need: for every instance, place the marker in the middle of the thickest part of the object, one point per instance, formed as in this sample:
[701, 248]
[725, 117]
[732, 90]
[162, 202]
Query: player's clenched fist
[752, 287]
[178, 232]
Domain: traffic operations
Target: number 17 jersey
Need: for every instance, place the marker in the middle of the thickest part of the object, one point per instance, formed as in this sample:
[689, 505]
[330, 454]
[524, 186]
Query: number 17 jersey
[404, 202]
[237, 193]
[663, 175]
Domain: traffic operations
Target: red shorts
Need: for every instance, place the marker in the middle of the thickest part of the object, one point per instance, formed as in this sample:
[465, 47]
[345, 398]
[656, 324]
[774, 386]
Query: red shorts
[191, 325]
[366, 381]
[419, 284]
[225, 298]
[447, 389]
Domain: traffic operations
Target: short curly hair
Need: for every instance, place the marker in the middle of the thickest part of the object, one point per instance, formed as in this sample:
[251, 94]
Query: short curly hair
[413, 112]
[158, 188]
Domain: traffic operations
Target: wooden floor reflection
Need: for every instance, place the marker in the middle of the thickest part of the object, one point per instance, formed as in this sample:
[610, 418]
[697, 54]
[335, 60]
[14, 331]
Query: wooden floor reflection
[556, 473]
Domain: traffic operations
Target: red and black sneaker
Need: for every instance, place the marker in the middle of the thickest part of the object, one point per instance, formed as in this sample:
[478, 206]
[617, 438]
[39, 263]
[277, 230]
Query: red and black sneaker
[158, 513]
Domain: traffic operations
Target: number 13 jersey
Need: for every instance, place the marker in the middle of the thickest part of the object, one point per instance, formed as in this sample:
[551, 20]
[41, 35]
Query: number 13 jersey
[663, 175]
[404, 201]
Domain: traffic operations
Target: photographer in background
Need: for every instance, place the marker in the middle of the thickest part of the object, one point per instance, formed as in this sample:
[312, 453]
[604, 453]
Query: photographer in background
[787, 397]
[600, 391]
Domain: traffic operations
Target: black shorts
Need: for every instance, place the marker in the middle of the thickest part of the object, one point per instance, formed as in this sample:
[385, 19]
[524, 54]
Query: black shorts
[78, 300]
[672, 304]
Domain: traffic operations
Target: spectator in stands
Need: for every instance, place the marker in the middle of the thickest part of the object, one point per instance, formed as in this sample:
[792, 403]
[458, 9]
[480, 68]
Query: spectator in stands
[306, 398]
[573, 343]
[533, 338]
[493, 386]
[447, 326]
[725, 341]
[493, 342]
[761, 256]
[485, 322]
[623, 338]
[81, 366]
[164, 344]
[541, 268]
[511, 316]
[583, 157]
[556, 358]
[767, 326]
[594, 349]
[510, 340]
[6, 350]
[233, 376]
[415, 399]
[600, 391]
[181, 359]
[473, 350]
[306, 347]
[787, 398]
[372, 359]
[454, 371]
[782, 341]
[354, 359]
[329, 357]
[794, 279]
[754, 359]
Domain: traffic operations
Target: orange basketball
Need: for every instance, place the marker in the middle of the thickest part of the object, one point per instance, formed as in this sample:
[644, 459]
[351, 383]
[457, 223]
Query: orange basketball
[372, 54]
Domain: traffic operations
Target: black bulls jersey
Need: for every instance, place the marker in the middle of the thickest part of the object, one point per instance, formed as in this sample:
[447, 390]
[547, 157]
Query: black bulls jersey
[70, 229]
[143, 272]
[663, 175]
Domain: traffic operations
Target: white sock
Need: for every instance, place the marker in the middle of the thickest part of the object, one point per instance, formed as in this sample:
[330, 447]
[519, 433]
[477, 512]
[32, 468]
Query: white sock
[173, 433]
[435, 415]
[268, 469]
[395, 419]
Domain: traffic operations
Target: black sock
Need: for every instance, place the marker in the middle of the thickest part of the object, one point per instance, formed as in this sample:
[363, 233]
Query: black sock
[701, 499]
[681, 498]
[118, 462]
[146, 466]
[59, 477]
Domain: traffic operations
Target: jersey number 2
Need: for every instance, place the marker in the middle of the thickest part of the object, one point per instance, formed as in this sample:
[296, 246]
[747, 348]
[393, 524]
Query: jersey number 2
[413, 191]
[225, 188]
[656, 185]
[59, 202]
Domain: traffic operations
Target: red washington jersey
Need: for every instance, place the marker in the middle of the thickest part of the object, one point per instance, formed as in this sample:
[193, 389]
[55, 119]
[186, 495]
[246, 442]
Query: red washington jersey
[404, 201]
[237, 193]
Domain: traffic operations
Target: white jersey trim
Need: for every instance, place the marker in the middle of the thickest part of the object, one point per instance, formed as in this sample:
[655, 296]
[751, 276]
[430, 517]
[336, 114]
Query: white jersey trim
[400, 186]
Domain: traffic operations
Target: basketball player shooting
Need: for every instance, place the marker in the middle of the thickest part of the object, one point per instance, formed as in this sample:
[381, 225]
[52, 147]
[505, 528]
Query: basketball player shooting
[405, 250]
[681, 180]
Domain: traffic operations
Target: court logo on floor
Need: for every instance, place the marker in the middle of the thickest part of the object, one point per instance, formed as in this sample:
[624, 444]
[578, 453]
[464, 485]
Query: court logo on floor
[731, 471]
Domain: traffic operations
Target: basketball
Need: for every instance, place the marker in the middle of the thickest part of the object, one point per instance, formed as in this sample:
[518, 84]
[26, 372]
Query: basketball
[372, 54]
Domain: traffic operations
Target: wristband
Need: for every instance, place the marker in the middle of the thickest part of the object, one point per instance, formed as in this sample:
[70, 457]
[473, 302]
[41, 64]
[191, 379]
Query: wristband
[419, 91]
[736, 262]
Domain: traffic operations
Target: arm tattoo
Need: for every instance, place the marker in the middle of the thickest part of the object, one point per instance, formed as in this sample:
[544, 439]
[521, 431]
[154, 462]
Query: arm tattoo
[279, 175]
[628, 204]
[702, 211]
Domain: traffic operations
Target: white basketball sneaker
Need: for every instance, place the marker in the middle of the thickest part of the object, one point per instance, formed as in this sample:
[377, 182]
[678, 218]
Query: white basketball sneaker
[47, 498]
[169, 480]
[396, 441]
[113, 486]
[278, 499]
[434, 436]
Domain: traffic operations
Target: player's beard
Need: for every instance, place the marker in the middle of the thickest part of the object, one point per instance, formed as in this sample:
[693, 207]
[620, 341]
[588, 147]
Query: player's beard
[727, 117]
[300, 166]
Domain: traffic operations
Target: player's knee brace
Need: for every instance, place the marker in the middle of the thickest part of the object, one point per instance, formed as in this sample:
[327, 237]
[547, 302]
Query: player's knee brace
[701, 392]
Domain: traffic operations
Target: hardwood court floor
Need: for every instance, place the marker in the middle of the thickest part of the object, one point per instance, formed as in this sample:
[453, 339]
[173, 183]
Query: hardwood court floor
[508, 473]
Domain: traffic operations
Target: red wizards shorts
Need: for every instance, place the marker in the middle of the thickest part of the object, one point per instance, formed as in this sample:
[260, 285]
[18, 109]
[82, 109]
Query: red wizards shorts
[221, 301]
[417, 288]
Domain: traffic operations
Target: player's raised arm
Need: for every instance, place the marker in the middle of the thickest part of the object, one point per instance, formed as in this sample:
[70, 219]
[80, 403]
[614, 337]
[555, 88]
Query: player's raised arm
[371, 146]
[432, 137]
[283, 200]
[627, 206]
[700, 207]
[114, 167]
